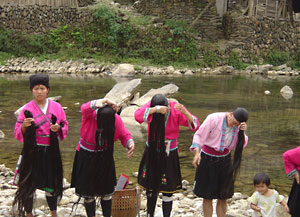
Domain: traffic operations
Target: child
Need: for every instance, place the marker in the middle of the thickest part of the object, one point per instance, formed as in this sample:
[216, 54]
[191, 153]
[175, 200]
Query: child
[291, 160]
[263, 200]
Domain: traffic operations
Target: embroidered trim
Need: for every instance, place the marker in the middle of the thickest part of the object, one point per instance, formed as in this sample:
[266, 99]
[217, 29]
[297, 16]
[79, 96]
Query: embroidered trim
[222, 144]
[195, 145]
[292, 173]
[128, 142]
[93, 103]
[194, 123]
[42, 144]
[146, 114]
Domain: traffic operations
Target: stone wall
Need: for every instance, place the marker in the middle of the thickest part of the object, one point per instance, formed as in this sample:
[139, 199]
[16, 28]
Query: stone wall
[209, 23]
[40, 18]
[253, 36]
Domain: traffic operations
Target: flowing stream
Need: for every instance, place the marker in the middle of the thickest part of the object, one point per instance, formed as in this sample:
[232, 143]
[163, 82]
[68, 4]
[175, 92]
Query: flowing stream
[273, 125]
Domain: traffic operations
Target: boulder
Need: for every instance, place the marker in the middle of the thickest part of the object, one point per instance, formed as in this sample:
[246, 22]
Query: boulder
[2, 135]
[123, 70]
[165, 90]
[286, 92]
[123, 92]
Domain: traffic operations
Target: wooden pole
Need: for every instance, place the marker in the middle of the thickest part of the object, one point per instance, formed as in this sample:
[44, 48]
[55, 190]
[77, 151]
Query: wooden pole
[201, 13]
[251, 8]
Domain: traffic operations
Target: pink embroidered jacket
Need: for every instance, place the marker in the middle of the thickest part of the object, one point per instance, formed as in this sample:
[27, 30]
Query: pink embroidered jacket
[174, 118]
[89, 126]
[210, 134]
[43, 122]
[291, 160]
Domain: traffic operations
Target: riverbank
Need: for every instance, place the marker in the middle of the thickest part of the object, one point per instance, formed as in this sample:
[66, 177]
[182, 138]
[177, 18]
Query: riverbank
[185, 204]
[89, 67]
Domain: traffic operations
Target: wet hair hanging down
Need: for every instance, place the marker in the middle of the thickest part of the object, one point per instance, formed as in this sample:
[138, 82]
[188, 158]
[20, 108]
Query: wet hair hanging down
[104, 141]
[157, 155]
[26, 182]
[56, 160]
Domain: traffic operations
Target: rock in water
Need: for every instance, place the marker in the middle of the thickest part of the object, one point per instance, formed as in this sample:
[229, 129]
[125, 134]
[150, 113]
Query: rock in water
[286, 92]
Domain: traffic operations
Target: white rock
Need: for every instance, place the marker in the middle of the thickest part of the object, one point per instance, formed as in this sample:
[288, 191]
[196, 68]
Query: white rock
[267, 92]
[286, 92]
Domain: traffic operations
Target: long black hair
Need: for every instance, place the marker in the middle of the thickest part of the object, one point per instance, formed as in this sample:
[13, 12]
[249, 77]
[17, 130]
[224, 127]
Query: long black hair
[56, 161]
[157, 150]
[26, 182]
[237, 157]
[103, 156]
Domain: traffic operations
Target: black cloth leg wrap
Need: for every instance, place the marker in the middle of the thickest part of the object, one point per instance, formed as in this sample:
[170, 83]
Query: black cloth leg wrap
[151, 202]
[167, 206]
[90, 208]
[52, 202]
[28, 206]
[106, 207]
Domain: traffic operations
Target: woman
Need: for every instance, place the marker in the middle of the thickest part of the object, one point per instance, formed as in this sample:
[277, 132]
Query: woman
[94, 170]
[217, 136]
[159, 169]
[41, 166]
[291, 160]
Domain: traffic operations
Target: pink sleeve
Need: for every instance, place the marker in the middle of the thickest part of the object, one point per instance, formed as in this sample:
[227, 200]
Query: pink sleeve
[202, 133]
[87, 109]
[18, 127]
[121, 132]
[291, 160]
[142, 114]
[183, 121]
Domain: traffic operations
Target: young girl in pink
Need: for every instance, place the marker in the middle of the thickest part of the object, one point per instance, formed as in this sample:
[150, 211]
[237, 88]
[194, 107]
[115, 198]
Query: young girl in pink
[291, 160]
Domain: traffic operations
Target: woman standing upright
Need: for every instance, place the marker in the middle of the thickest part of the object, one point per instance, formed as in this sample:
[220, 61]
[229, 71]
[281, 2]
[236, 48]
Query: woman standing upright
[291, 160]
[94, 169]
[218, 135]
[159, 169]
[39, 124]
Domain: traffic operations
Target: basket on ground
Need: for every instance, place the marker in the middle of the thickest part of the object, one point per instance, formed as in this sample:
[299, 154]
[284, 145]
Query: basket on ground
[126, 202]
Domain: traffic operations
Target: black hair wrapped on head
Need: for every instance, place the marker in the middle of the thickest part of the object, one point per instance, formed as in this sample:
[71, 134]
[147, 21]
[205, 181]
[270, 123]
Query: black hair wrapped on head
[240, 114]
[37, 79]
[157, 149]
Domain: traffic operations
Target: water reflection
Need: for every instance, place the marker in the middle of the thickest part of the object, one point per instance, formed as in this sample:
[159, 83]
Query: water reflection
[273, 126]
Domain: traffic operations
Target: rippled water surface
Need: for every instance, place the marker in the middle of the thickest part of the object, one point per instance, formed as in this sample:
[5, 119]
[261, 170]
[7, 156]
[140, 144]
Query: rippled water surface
[273, 126]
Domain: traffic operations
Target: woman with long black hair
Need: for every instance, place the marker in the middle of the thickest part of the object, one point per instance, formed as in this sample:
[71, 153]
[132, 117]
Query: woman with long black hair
[159, 169]
[39, 124]
[93, 172]
[218, 135]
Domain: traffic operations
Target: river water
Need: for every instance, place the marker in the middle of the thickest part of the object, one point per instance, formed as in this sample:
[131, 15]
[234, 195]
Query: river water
[273, 126]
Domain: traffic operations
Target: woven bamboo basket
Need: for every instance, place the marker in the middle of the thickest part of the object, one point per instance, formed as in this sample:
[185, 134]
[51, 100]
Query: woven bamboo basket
[126, 203]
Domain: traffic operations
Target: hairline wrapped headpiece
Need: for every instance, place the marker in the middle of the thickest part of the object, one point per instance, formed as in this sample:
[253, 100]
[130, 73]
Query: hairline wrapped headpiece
[37, 79]
[240, 114]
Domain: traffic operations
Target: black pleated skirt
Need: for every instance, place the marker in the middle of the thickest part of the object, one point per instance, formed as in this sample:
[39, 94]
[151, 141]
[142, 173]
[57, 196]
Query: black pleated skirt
[212, 180]
[294, 200]
[90, 179]
[171, 178]
[43, 174]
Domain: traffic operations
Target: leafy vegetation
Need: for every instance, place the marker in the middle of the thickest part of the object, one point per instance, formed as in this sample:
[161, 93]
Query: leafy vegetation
[137, 41]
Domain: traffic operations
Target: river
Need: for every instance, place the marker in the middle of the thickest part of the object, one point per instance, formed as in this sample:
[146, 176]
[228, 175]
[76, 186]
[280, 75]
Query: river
[273, 125]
